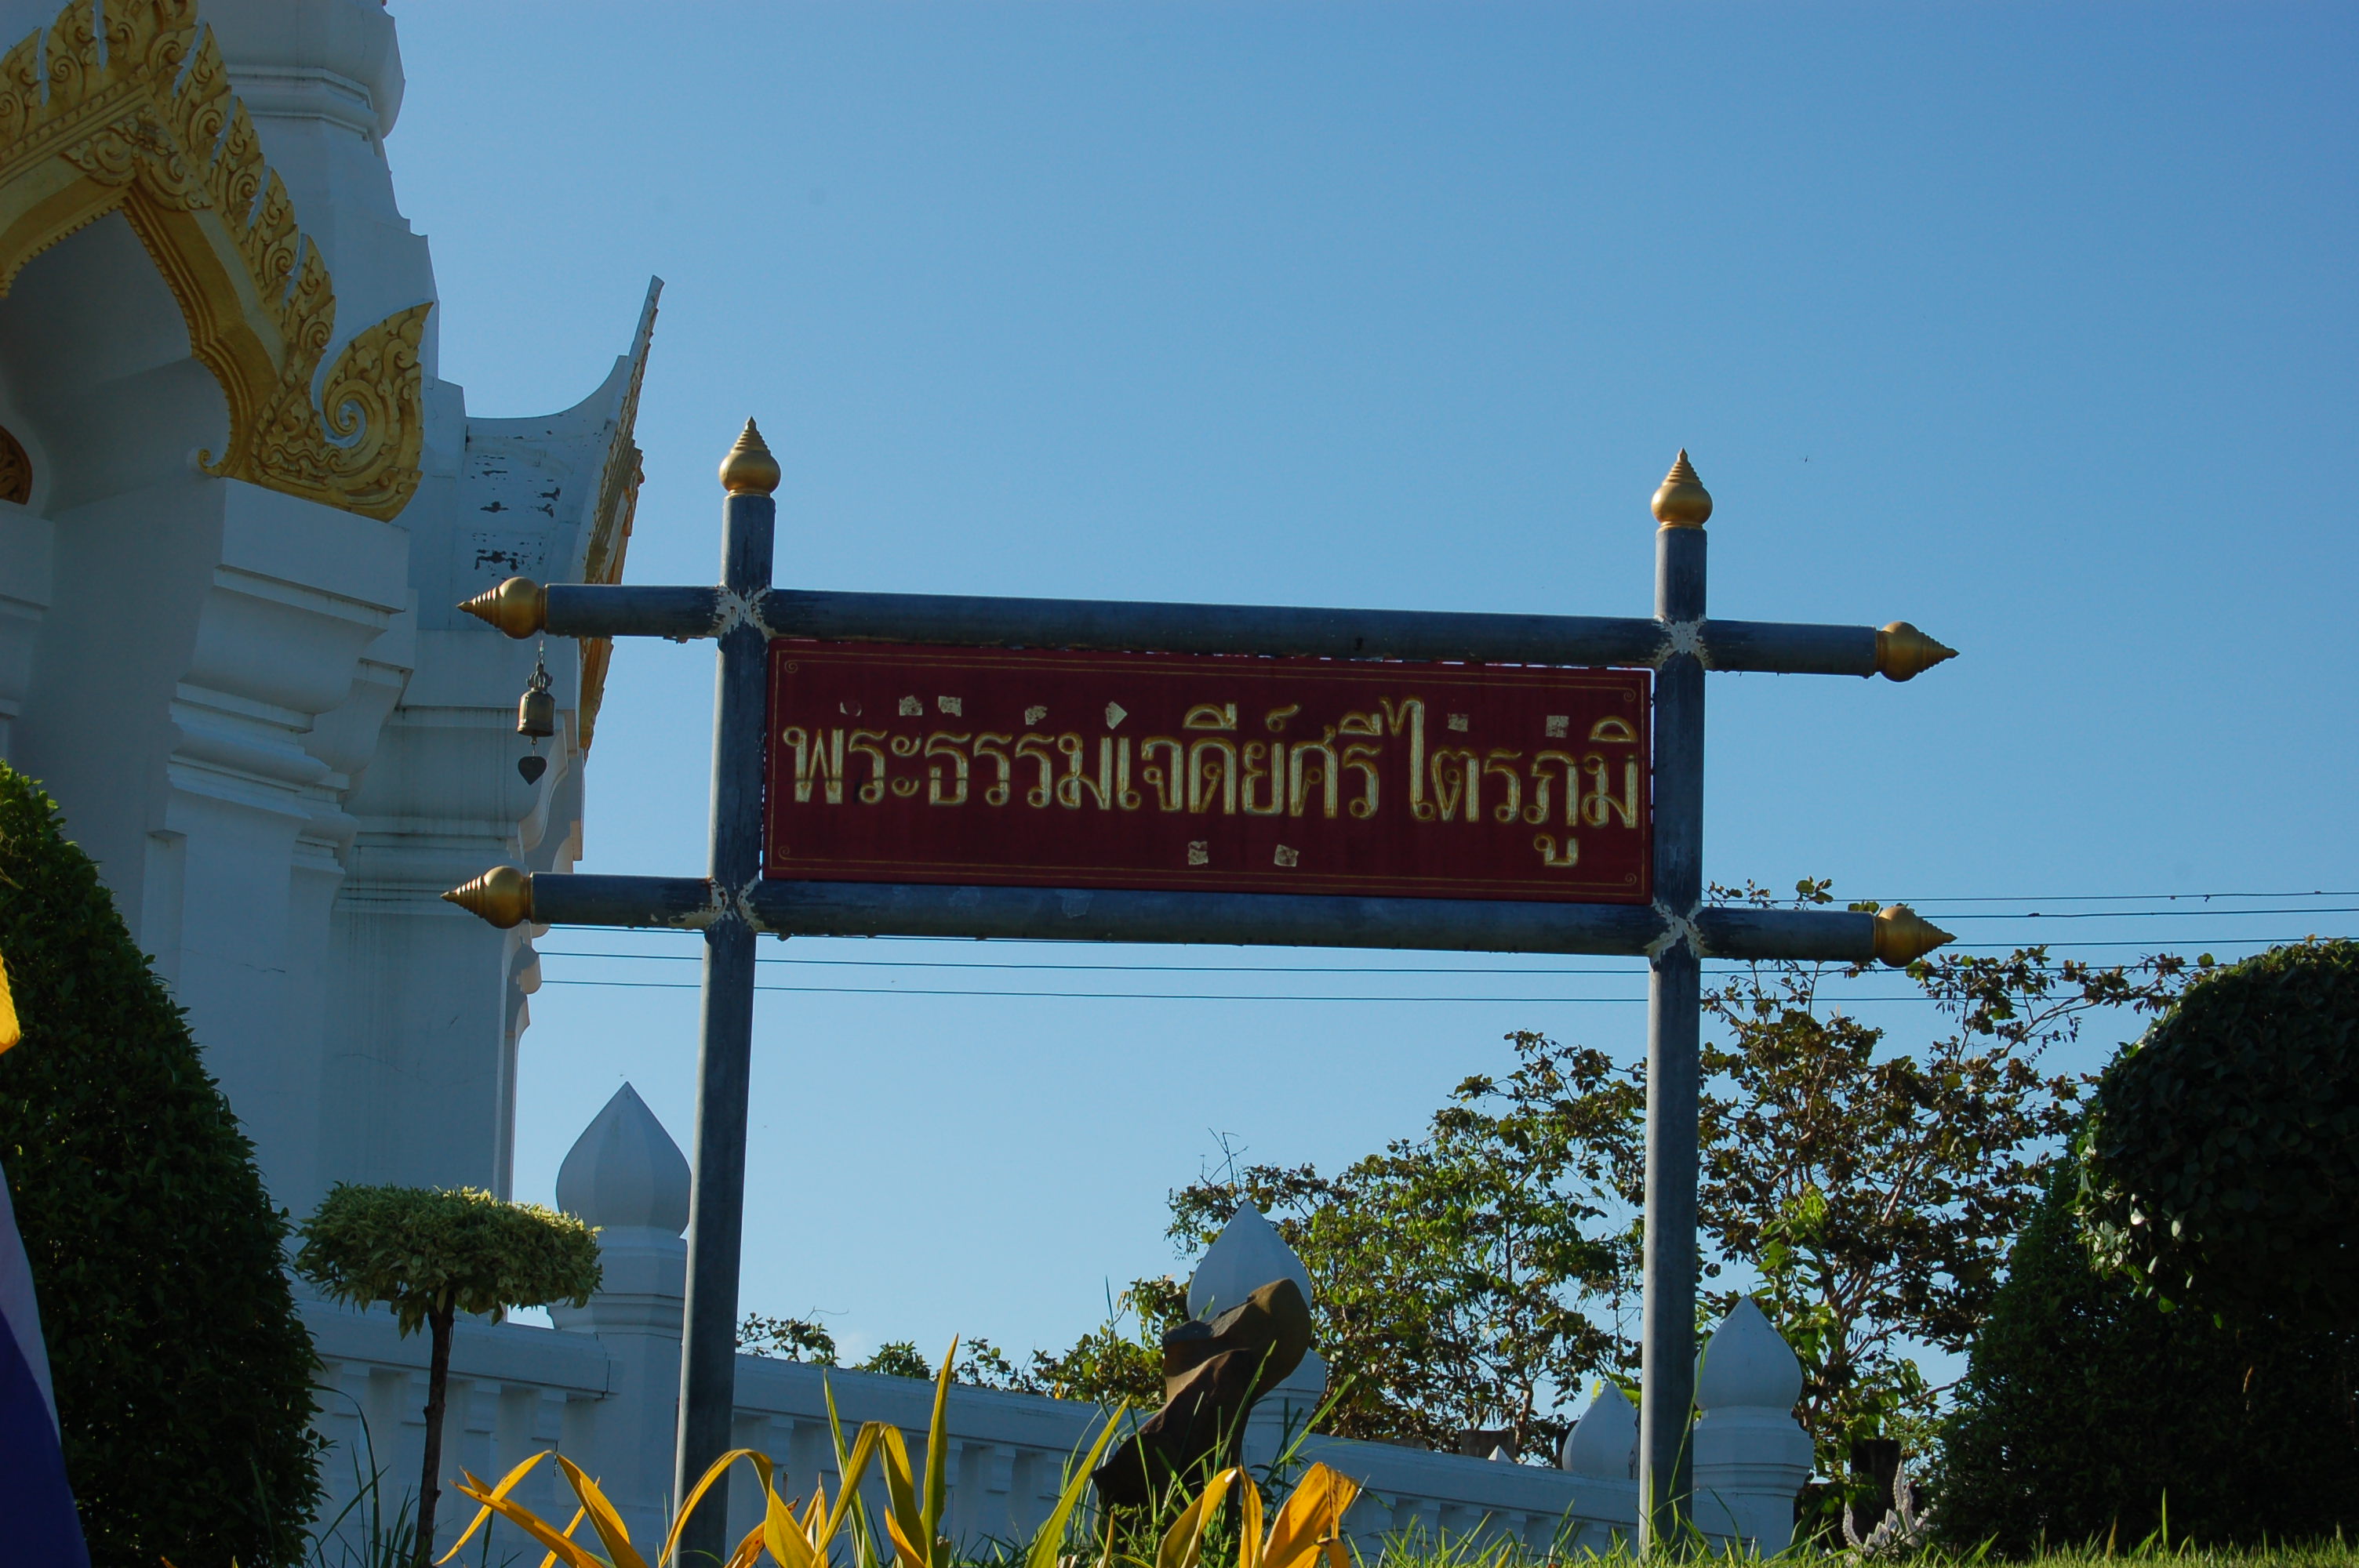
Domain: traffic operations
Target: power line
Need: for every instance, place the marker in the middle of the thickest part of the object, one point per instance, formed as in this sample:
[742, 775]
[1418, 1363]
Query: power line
[2128, 897]
[2172, 942]
[1001, 964]
[2210, 900]
[1152, 996]
[1284, 968]
[1146, 970]
[2150, 947]
[2151, 913]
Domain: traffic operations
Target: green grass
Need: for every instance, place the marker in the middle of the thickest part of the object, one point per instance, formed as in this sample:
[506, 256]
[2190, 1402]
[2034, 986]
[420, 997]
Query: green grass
[2324, 1555]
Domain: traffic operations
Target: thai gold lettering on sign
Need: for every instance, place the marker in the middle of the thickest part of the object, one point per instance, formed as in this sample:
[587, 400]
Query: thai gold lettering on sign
[1500, 801]
[1219, 777]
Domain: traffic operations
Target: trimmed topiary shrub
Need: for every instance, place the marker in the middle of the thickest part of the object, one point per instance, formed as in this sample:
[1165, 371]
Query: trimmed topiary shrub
[2223, 1149]
[2087, 1409]
[430, 1253]
[182, 1372]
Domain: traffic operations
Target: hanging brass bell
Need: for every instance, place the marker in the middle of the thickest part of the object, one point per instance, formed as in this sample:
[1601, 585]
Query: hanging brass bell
[537, 713]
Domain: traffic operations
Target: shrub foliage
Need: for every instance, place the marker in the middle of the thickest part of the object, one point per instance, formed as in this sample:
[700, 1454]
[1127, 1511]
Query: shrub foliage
[2223, 1153]
[2087, 1410]
[430, 1253]
[182, 1372]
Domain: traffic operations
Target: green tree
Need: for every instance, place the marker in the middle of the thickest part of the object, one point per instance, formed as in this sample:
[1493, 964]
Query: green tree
[786, 1338]
[896, 1358]
[2085, 1412]
[1456, 1274]
[1120, 1359]
[2222, 1150]
[1875, 1186]
[182, 1371]
[1866, 1188]
[432, 1253]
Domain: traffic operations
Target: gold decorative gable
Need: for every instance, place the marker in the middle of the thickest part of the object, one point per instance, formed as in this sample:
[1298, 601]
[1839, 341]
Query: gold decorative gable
[143, 122]
[609, 525]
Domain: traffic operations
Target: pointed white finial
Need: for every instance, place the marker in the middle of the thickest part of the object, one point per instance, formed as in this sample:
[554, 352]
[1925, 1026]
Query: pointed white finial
[1603, 1444]
[1248, 1254]
[1746, 1363]
[624, 1172]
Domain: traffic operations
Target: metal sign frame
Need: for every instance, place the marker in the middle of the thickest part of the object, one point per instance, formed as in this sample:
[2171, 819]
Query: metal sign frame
[734, 903]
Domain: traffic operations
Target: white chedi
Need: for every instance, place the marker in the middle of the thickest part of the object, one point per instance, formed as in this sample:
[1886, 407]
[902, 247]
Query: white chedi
[625, 1172]
[626, 1177]
[1604, 1442]
[1747, 1364]
[1751, 1455]
[1248, 1254]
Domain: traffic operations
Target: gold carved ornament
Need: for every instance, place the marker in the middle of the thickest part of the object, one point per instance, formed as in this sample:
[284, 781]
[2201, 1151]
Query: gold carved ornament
[16, 470]
[149, 127]
[610, 527]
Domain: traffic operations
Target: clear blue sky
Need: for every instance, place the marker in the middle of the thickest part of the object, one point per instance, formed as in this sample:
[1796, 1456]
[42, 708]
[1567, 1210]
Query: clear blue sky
[2033, 325]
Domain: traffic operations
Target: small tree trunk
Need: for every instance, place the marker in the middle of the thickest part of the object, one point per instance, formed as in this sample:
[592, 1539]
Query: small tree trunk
[437, 1376]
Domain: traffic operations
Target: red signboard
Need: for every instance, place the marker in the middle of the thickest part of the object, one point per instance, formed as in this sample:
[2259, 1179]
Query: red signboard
[1207, 773]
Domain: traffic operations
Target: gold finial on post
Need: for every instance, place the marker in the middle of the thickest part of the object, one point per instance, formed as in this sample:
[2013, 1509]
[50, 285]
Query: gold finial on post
[519, 607]
[749, 468]
[501, 896]
[1903, 936]
[1902, 651]
[1682, 502]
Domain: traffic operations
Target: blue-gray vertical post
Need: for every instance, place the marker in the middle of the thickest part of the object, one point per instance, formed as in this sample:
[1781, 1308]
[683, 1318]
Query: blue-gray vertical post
[724, 1052]
[1674, 1024]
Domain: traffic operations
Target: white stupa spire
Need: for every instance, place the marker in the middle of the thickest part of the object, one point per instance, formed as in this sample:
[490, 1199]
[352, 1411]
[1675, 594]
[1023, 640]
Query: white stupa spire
[625, 1172]
[1248, 1254]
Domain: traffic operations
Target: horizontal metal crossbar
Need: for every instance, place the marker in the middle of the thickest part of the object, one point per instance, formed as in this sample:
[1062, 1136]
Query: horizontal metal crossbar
[890, 909]
[576, 609]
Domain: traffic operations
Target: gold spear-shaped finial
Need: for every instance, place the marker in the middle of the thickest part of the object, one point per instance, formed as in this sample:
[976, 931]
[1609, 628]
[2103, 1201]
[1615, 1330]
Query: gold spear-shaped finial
[1902, 651]
[1903, 936]
[519, 607]
[749, 468]
[1682, 502]
[501, 896]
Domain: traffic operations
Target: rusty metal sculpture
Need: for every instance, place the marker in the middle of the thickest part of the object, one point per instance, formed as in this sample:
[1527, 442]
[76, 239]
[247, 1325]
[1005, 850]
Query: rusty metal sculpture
[1213, 1373]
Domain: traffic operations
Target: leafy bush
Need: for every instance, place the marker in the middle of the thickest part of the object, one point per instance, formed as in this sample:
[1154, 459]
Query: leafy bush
[896, 1358]
[786, 1338]
[1459, 1279]
[432, 1253]
[2222, 1154]
[2087, 1410]
[1122, 1359]
[182, 1372]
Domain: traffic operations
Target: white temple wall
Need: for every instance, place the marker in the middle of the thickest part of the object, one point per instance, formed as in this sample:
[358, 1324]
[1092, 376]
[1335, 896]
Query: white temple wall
[322, 80]
[601, 1388]
[103, 391]
[261, 715]
[198, 631]
[26, 541]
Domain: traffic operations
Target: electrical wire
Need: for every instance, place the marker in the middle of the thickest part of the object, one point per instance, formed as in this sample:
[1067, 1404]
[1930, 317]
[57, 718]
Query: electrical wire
[1152, 996]
[2128, 897]
[1250, 968]
[2211, 902]
[2151, 913]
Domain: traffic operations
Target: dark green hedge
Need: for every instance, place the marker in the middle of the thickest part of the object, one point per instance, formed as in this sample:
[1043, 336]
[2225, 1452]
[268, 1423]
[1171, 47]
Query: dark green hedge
[2086, 1405]
[2223, 1149]
[182, 1371]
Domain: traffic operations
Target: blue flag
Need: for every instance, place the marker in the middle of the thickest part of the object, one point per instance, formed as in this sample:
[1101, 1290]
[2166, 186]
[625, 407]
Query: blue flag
[43, 1531]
